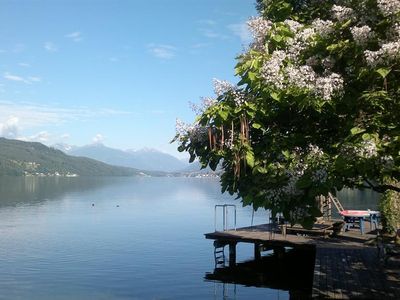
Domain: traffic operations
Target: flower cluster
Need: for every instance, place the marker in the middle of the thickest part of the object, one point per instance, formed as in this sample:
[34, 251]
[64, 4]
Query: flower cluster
[326, 87]
[342, 13]
[259, 27]
[194, 132]
[314, 151]
[329, 86]
[206, 102]
[294, 26]
[388, 53]
[223, 87]
[300, 42]
[271, 69]
[387, 162]
[361, 35]
[367, 149]
[389, 7]
[302, 77]
[322, 27]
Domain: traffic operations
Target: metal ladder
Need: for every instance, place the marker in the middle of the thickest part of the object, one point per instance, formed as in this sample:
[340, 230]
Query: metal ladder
[219, 254]
[219, 246]
[225, 215]
[336, 202]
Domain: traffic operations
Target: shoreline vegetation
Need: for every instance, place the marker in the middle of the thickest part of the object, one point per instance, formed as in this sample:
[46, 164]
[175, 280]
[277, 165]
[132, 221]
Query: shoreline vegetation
[20, 158]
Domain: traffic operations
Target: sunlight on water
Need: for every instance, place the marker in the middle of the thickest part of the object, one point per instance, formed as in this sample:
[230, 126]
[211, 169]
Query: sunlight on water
[114, 238]
[119, 238]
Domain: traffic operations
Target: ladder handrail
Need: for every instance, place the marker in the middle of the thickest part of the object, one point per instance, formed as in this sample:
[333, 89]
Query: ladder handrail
[224, 216]
[336, 202]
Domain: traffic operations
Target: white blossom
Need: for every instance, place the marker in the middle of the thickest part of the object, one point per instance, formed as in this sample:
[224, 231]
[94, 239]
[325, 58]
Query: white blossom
[314, 151]
[323, 86]
[302, 77]
[367, 149]
[342, 13]
[259, 27]
[389, 7]
[328, 62]
[387, 161]
[271, 69]
[300, 42]
[329, 86]
[195, 132]
[362, 34]
[294, 26]
[222, 87]
[388, 53]
[322, 27]
[372, 58]
[206, 102]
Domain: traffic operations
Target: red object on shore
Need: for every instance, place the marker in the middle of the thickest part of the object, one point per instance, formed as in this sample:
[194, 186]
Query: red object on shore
[356, 213]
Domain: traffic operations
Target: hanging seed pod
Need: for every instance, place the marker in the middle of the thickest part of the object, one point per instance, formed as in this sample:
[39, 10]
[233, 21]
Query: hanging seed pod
[210, 139]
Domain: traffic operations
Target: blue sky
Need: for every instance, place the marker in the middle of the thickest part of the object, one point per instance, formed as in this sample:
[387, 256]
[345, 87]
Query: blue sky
[119, 72]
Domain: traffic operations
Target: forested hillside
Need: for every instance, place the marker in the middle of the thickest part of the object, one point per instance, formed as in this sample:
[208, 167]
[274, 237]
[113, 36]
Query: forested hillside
[29, 158]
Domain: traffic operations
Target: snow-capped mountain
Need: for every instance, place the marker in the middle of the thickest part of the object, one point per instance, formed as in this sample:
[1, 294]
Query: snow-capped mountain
[144, 159]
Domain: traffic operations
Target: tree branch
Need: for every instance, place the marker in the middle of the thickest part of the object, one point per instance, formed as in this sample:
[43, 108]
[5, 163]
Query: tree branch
[382, 187]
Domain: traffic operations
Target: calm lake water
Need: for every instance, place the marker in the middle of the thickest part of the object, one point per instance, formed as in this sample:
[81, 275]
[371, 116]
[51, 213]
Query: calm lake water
[120, 238]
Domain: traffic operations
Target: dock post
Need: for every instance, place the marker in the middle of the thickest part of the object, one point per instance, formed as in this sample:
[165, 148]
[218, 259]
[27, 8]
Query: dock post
[257, 251]
[232, 254]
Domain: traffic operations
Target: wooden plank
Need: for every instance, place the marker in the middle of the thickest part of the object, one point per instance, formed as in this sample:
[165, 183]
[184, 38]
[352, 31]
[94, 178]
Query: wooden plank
[345, 268]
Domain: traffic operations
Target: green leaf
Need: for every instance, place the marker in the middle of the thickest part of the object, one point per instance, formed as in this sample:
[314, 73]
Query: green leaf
[286, 154]
[383, 72]
[252, 76]
[223, 114]
[250, 158]
[256, 125]
[366, 137]
[356, 130]
[275, 96]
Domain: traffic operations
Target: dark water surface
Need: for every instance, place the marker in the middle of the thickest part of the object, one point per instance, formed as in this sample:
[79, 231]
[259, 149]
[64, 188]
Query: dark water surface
[142, 239]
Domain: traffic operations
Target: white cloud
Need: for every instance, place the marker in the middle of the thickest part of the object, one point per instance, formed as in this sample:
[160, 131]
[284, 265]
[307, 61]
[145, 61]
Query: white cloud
[75, 36]
[23, 64]
[98, 139]
[17, 78]
[42, 136]
[31, 115]
[9, 128]
[242, 31]
[11, 77]
[162, 51]
[50, 47]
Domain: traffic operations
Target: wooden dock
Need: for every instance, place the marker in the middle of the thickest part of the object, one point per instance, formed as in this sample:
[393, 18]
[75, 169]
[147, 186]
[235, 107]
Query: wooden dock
[346, 267]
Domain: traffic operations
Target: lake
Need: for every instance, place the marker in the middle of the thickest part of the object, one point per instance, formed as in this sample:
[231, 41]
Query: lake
[120, 238]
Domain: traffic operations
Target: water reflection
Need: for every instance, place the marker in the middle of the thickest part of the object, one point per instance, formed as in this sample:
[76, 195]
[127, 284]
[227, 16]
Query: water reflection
[32, 190]
[291, 272]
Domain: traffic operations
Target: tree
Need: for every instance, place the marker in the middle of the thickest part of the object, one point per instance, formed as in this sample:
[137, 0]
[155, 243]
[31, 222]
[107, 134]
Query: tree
[317, 107]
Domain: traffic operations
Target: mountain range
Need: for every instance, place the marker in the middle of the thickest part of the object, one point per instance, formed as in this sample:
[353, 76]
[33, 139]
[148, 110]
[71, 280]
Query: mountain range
[144, 159]
[31, 158]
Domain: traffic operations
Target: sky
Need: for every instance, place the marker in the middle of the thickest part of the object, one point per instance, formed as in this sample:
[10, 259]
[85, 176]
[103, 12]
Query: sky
[116, 72]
